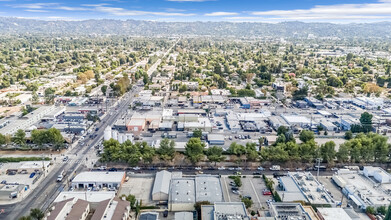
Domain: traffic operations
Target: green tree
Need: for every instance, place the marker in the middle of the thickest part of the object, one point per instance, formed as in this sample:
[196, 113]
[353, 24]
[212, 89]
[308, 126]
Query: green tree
[215, 154]
[20, 137]
[103, 89]
[49, 95]
[348, 135]
[327, 151]
[366, 122]
[194, 150]
[197, 133]
[130, 198]
[370, 210]
[388, 215]
[247, 202]
[306, 135]
[343, 153]
[166, 150]
[26, 218]
[37, 214]
[236, 149]
[2, 139]
[381, 210]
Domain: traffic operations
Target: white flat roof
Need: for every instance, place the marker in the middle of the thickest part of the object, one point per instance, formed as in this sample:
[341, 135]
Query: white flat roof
[333, 214]
[99, 177]
[92, 196]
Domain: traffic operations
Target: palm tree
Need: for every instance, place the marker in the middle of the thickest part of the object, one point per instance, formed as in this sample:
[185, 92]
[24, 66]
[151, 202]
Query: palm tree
[37, 214]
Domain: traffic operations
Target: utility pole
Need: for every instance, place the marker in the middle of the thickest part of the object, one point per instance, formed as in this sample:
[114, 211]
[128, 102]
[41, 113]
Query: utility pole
[318, 161]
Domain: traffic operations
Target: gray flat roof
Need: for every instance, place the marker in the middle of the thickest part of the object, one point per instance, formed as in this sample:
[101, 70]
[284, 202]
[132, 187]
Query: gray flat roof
[208, 188]
[182, 190]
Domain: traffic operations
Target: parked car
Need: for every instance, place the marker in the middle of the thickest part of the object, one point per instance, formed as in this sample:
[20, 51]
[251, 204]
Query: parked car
[266, 192]
[247, 197]
[257, 173]
[235, 188]
[32, 175]
[260, 168]
[165, 213]
[136, 168]
[221, 168]
[235, 192]
[198, 168]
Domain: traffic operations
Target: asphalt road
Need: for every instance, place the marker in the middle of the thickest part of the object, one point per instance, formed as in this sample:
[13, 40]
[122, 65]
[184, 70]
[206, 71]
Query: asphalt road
[44, 194]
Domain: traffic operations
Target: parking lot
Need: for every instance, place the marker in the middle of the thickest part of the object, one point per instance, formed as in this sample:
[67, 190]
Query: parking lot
[140, 187]
[250, 187]
[333, 189]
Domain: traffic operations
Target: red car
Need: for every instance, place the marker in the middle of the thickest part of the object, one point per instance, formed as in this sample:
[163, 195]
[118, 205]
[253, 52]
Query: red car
[266, 192]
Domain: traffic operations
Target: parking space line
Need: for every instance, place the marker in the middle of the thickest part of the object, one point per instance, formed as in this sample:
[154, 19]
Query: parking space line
[256, 194]
[226, 188]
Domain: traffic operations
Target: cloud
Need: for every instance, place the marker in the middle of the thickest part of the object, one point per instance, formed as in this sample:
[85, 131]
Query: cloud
[125, 12]
[35, 5]
[373, 11]
[175, 10]
[36, 10]
[221, 13]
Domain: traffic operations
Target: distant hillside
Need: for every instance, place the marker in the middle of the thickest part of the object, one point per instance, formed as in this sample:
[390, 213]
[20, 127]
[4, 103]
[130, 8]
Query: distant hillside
[217, 29]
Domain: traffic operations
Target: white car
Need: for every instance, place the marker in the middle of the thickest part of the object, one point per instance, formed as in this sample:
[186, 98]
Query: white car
[198, 168]
[231, 168]
[136, 168]
[261, 168]
[221, 168]
[238, 168]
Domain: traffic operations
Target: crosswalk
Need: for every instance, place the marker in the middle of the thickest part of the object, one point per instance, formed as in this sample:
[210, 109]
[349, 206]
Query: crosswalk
[70, 161]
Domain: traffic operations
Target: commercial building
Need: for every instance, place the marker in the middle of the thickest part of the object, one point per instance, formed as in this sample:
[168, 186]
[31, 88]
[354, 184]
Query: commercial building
[184, 192]
[69, 209]
[315, 103]
[333, 214]
[216, 139]
[98, 180]
[363, 189]
[184, 216]
[149, 216]
[14, 124]
[284, 211]
[297, 120]
[303, 184]
[377, 173]
[368, 102]
[114, 209]
[224, 210]
[161, 186]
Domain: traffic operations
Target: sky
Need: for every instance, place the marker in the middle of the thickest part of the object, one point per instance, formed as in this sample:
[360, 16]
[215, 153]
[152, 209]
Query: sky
[334, 11]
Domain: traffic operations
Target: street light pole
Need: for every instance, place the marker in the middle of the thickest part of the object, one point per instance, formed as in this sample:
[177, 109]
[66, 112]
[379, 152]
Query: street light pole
[318, 160]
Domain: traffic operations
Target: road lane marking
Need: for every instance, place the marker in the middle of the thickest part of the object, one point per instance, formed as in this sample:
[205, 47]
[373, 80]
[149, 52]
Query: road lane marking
[226, 188]
[256, 194]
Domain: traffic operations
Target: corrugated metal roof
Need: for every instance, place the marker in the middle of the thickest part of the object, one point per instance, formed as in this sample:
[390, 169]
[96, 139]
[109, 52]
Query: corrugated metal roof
[162, 182]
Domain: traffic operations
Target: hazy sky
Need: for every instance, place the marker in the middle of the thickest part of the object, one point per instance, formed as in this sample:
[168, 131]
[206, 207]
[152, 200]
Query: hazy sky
[338, 11]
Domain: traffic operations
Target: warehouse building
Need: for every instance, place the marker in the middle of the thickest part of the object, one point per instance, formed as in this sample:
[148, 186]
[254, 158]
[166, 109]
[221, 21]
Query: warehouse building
[98, 180]
[364, 189]
[224, 210]
[185, 192]
[161, 186]
[216, 139]
[297, 120]
[333, 214]
[283, 211]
